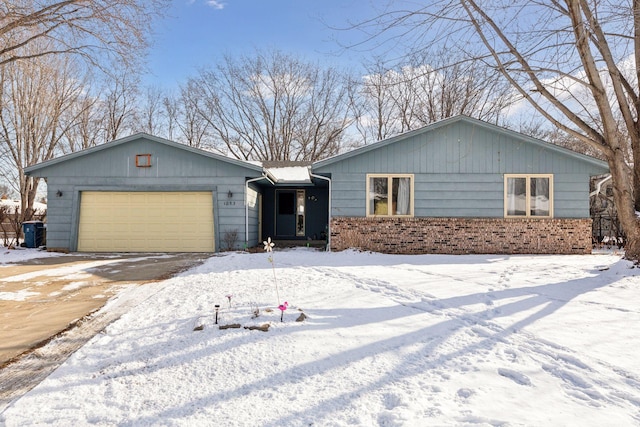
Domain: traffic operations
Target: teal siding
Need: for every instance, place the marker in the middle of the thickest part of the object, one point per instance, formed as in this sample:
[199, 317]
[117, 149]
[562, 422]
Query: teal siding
[459, 171]
[458, 166]
[347, 194]
[167, 162]
[112, 168]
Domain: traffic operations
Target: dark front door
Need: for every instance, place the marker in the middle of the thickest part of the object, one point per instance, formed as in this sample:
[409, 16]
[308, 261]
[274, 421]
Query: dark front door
[285, 213]
[290, 213]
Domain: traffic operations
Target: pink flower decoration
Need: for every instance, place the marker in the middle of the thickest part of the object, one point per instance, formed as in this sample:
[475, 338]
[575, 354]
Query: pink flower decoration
[282, 308]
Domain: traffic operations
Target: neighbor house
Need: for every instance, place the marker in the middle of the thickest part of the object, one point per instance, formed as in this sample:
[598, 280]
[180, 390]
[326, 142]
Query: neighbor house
[456, 186]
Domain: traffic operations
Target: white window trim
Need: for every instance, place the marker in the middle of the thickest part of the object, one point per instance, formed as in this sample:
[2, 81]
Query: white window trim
[528, 176]
[390, 176]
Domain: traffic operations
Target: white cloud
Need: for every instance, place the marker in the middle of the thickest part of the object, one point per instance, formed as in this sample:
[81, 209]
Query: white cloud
[216, 4]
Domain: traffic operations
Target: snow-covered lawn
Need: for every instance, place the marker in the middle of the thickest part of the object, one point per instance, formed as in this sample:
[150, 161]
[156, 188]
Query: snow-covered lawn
[389, 340]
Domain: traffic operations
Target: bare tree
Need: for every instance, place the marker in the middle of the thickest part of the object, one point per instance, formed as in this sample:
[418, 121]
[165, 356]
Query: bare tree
[448, 87]
[539, 128]
[119, 105]
[574, 61]
[273, 106]
[183, 121]
[195, 129]
[150, 114]
[41, 101]
[83, 122]
[95, 29]
[31, 124]
[172, 114]
[373, 106]
[106, 113]
[427, 89]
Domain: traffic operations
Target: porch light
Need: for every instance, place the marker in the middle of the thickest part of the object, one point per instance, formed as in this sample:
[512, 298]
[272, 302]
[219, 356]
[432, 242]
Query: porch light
[229, 194]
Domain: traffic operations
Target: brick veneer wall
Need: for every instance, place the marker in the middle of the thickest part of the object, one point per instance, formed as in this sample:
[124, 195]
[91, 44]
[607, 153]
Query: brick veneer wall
[462, 235]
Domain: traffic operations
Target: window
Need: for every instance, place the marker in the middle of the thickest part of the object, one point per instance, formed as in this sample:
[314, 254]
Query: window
[300, 198]
[389, 195]
[143, 160]
[286, 203]
[528, 196]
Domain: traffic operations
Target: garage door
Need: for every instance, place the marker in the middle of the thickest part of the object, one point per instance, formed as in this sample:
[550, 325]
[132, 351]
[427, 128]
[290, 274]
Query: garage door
[146, 222]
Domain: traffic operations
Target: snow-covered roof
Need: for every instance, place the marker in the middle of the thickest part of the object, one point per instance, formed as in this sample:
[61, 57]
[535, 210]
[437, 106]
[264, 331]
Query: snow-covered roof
[289, 174]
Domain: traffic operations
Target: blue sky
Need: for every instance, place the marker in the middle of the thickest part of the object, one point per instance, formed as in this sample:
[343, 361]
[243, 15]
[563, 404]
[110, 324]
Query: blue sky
[198, 33]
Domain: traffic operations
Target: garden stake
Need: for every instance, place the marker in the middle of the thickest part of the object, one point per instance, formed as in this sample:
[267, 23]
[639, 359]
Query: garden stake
[268, 247]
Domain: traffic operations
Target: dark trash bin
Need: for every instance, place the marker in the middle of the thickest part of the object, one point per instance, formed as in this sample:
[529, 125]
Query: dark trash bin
[33, 233]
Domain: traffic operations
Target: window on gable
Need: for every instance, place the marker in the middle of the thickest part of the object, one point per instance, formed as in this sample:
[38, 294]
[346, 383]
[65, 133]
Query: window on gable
[528, 196]
[143, 160]
[389, 195]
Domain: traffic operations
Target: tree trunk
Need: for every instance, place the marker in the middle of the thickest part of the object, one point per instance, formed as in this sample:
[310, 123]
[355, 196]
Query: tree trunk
[636, 172]
[28, 197]
[623, 198]
[632, 248]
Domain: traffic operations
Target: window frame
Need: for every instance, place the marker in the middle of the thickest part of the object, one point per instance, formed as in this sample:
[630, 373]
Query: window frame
[390, 177]
[528, 177]
[143, 160]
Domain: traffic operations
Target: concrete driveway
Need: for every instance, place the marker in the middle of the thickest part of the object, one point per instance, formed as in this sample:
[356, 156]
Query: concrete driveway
[41, 298]
[60, 297]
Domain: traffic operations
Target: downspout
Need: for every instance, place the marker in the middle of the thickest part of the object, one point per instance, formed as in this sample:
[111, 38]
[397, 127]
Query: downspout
[246, 206]
[329, 218]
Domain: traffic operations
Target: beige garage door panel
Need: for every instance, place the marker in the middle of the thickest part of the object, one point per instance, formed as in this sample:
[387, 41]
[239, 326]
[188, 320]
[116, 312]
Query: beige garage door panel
[146, 222]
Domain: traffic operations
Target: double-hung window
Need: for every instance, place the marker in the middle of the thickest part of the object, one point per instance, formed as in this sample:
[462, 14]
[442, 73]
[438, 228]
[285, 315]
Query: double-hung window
[528, 196]
[389, 195]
